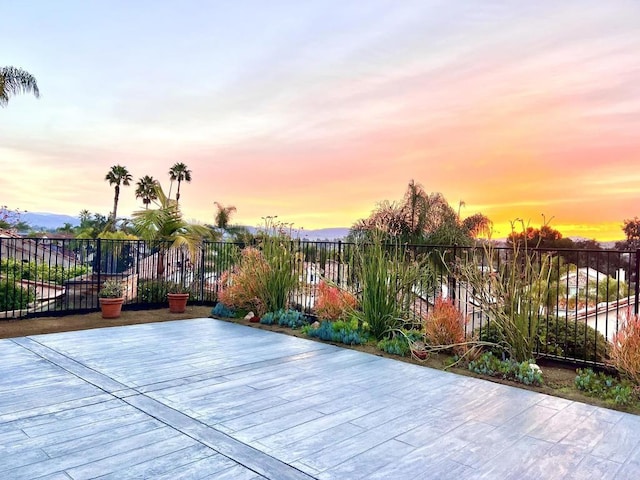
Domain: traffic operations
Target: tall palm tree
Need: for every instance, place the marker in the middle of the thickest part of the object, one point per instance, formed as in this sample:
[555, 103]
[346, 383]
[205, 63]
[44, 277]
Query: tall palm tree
[146, 190]
[118, 175]
[15, 80]
[223, 215]
[180, 173]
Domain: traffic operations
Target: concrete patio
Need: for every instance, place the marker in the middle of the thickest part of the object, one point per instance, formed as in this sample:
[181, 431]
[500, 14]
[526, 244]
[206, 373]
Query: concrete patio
[209, 399]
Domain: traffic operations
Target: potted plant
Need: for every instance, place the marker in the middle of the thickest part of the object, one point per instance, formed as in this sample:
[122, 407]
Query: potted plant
[111, 298]
[178, 296]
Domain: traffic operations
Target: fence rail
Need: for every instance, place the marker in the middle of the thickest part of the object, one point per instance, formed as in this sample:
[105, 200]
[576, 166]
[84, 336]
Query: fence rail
[590, 292]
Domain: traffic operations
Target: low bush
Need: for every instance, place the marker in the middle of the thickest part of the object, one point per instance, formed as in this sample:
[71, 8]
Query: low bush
[285, 318]
[560, 337]
[444, 325]
[606, 387]
[340, 331]
[399, 344]
[41, 271]
[13, 296]
[153, 291]
[526, 372]
[222, 311]
[625, 349]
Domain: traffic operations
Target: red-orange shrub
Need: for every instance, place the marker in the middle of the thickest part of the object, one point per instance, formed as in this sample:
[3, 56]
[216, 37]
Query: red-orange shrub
[444, 325]
[332, 302]
[244, 287]
[625, 351]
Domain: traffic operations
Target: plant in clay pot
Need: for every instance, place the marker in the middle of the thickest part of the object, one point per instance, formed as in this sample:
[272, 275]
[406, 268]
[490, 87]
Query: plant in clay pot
[178, 296]
[111, 298]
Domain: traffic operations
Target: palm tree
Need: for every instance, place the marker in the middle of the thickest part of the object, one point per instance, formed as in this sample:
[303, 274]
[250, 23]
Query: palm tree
[179, 172]
[164, 228]
[117, 175]
[223, 215]
[15, 80]
[146, 190]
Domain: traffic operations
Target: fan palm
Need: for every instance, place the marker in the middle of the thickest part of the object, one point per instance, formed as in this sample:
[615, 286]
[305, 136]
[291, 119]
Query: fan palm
[146, 190]
[180, 173]
[15, 80]
[118, 175]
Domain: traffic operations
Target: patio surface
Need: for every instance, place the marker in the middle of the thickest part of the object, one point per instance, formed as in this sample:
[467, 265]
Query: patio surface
[204, 398]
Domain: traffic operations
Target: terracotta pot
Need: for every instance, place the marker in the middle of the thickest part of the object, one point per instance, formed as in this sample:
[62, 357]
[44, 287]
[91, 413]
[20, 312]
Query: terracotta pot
[421, 354]
[111, 307]
[177, 302]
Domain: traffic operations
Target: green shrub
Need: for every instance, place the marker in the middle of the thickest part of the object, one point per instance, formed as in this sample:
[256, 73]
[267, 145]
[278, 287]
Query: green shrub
[346, 332]
[222, 311]
[285, 318]
[561, 337]
[568, 338]
[606, 387]
[399, 343]
[13, 296]
[40, 271]
[153, 291]
[526, 372]
[388, 279]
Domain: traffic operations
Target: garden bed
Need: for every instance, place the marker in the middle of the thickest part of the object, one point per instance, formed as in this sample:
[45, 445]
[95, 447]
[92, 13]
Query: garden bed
[559, 378]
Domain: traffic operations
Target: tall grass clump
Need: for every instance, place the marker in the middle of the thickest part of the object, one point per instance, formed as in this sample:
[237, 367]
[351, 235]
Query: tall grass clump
[243, 287]
[281, 278]
[625, 351]
[263, 278]
[511, 293]
[388, 281]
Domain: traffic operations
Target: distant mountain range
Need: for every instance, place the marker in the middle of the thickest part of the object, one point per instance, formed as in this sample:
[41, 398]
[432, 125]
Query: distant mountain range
[48, 221]
[51, 221]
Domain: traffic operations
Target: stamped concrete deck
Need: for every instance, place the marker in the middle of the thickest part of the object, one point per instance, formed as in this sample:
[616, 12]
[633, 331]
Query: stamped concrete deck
[209, 399]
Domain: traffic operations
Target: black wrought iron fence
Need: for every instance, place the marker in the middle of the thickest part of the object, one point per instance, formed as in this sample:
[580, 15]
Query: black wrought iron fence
[587, 295]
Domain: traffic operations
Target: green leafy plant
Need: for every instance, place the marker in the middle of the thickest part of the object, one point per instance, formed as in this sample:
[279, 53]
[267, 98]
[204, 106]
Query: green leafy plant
[285, 318]
[606, 387]
[388, 279]
[178, 287]
[512, 294]
[111, 289]
[153, 291]
[526, 372]
[281, 278]
[222, 311]
[39, 271]
[13, 296]
[568, 338]
[263, 279]
[340, 331]
[164, 228]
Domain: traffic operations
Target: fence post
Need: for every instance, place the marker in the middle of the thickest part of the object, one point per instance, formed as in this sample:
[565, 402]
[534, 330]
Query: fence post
[339, 260]
[203, 252]
[452, 278]
[637, 283]
[98, 262]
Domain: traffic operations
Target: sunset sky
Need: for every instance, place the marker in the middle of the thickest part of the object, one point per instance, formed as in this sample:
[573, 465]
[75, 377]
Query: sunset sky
[316, 110]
